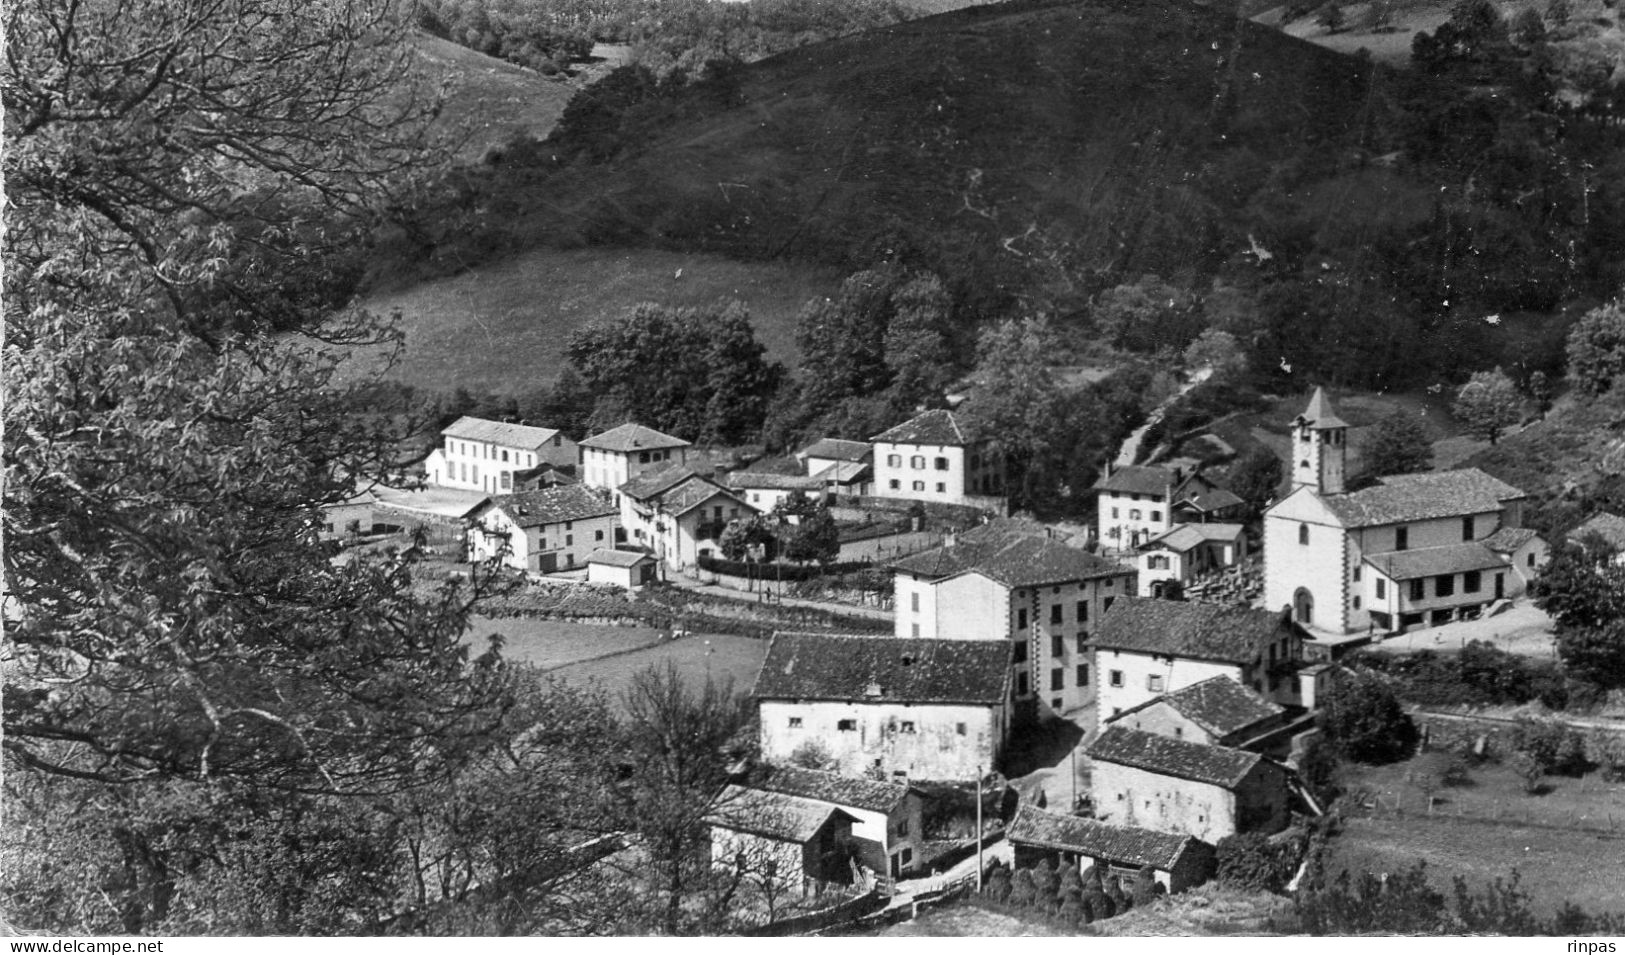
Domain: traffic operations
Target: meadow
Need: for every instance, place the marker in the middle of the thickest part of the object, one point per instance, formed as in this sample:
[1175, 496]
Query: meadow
[555, 643]
[697, 657]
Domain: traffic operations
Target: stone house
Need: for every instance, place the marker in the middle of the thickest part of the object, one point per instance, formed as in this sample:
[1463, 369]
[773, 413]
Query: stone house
[1217, 711]
[1179, 861]
[774, 835]
[888, 826]
[1135, 503]
[1187, 552]
[610, 459]
[936, 456]
[545, 531]
[887, 707]
[477, 454]
[1171, 785]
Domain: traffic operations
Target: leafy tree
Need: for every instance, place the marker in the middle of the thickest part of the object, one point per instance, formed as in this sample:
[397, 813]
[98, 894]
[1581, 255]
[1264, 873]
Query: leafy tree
[1015, 398]
[1256, 477]
[1218, 350]
[1398, 445]
[1529, 28]
[1596, 654]
[1596, 348]
[1365, 720]
[916, 344]
[1331, 18]
[1581, 587]
[742, 535]
[1489, 403]
[1540, 391]
[815, 538]
[843, 340]
[1558, 12]
[1147, 315]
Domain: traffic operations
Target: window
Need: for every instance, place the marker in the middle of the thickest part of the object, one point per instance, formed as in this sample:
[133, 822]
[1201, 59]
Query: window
[902, 829]
[1419, 589]
[507, 480]
[895, 484]
[1106, 604]
[959, 728]
[1530, 560]
[1134, 497]
[1083, 611]
[1021, 619]
[919, 485]
[905, 857]
[1157, 562]
[1057, 679]
[1156, 515]
[504, 454]
[475, 470]
[847, 726]
[597, 535]
[1057, 645]
[1116, 678]
[1356, 605]
[1021, 683]
[1021, 651]
[1356, 572]
[569, 525]
[1467, 528]
[1444, 585]
[1114, 514]
[1083, 674]
[1055, 613]
[914, 630]
[942, 464]
[942, 488]
[1471, 581]
[1303, 533]
[795, 722]
[558, 440]
[1083, 642]
[1154, 683]
[906, 727]
[569, 540]
[541, 543]
[917, 462]
[894, 460]
[914, 601]
[1057, 704]
[1134, 514]
[643, 457]
[1382, 589]
[1402, 538]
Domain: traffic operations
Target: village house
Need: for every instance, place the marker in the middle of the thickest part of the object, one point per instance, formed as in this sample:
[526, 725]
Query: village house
[1187, 553]
[544, 531]
[888, 826]
[610, 459]
[769, 835]
[765, 491]
[1178, 861]
[622, 568]
[1136, 503]
[828, 452]
[351, 517]
[1010, 579]
[1414, 550]
[676, 514]
[1609, 527]
[482, 455]
[898, 709]
[936, 456]
[1171, 785]
[1145, 648]
[1218, 711]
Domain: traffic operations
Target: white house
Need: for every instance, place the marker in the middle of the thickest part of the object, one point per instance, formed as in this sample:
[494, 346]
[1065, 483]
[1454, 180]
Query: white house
[481, 455]
[1217, 711]
[827, 452]
[1413, 550]
[1188, 552]
[618, 455]
[896, 709]
[1136, 503]
[1170, 785]
[764, 491]
[888, 826]
[545, 531]
[936, 456]
[1009, 579]
[768, 835]
[621, 568]
[1145, 648]
[676, 514]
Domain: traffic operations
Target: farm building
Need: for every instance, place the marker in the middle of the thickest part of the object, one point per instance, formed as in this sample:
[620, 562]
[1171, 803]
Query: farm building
[1142, 779]
[1179, 861]
[1217, 711]
[898, 708]
[774, 834]
[887, 823]
[621, 568]
[544, 531]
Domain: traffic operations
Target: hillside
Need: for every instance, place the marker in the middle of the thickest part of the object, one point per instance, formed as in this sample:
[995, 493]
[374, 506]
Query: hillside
[487, 101]
[1571, 464]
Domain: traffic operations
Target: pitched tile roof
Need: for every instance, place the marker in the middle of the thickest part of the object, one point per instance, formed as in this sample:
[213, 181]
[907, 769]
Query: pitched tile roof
[1215, 500]
[935, 428]
[1610, 526]
[837, 449]
[1183, 537]
[775, 815]
[1051, 830]
[1137, 479]
[499, 432]
[1431, 561]
[1218, 704]
[692, 493]
[1166, 756]
[1419, 497]
[656, 481]
[633, 437]
[856, 668]
[552, 505]
[1508, 539]
[618, 558]
[1320, 414]
[844, 472]
[1196, 631]
[856, 792]
[1015, 554]
[761, 480]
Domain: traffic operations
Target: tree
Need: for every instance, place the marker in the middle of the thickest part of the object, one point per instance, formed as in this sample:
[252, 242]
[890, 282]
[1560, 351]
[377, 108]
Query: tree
[1015, 397]
[815, 538]
[743, 535]
[1365, 720]
[1488, 404]
[1529, 28]
[1147, 315]
[1331, 18]
[1256, 477]
[1217, 350]
[916, 343]
[1581, 586]
[1540, 391]
[1558, 12]
[1596, 348]
[1398, 445]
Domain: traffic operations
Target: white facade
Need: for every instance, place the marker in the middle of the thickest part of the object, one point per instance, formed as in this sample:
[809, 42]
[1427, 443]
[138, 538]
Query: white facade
[1130, 796]
[544, 548]
[680, 538]
[932, 472]
[1128, 519]
[1125, 679]
[610, 469]
[489, 466]
[924, 741]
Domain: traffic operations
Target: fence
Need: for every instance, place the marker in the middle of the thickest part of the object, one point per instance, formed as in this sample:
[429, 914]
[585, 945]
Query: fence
[848, 911]
[1501, 812]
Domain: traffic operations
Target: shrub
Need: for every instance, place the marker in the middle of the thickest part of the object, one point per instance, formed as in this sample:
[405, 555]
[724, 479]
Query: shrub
[1146, 886]
[1364, 719]
[1251, 861]
[1556, 747]
[1100, 904]
[1071, 911]
[1091, 878]
[1528, 769]
[1070, 878]
[1022, 895]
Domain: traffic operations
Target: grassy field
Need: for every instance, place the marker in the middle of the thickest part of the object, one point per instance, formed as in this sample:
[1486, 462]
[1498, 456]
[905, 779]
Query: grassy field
[697, 657]
[556, 643]
[1391, 45]
[966, 920]
[489, 101]
[1556, 865]
[503, 328]
[1494, 792]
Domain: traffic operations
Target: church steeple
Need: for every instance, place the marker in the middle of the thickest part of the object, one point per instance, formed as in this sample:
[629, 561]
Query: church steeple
[1319, 447]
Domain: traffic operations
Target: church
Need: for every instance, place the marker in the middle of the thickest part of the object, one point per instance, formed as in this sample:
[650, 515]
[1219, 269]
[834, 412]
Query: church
[1414, 550]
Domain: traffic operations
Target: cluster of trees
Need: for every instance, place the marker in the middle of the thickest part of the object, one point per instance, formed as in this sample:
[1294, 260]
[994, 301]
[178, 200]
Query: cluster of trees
[1583, 588]
[1406, 903]
[797, 529]
[1481, 674]
[546, 37]
[1364, 720]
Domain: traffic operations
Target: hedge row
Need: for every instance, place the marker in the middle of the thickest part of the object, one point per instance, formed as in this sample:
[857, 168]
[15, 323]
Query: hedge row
[776, 571]
[1064, 895]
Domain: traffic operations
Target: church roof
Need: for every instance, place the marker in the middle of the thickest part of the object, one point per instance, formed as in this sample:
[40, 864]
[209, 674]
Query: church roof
[874, 669]
[1434, 561]
[1186, 629]
[1320, 414]
[1401, 498]
[1098, 840]
[1166, 756]
[936, 427]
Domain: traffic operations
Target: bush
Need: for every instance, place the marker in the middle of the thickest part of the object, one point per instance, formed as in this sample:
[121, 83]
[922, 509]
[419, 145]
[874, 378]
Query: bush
[1364, 719]
[1557, 748]
[1251, 861]
[1100, 904]
[1146, 886]
[773, 571]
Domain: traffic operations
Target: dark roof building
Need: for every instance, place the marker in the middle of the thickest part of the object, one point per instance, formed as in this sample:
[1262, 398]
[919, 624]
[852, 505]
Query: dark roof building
[1434, 561]
[552, 505]
[1196, 631]
[777, 816]
[1123, 845]
[857, 668]
[1137, 479]
[1215, 765]
[1402, 498]
[937, 428]
[837, 449]
[1014, 554]
[856, 792]
[1219, 705]
[619, 558]
[656, 481]
[499, 432]
[633, 437]
[765, 481]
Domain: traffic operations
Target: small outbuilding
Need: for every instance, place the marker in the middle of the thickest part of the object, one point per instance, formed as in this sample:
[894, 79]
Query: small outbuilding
[1142, 779]
[1178, 861]
[778, 834]
[621, 568]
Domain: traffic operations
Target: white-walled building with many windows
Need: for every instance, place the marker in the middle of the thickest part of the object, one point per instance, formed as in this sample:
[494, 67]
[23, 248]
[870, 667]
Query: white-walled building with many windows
[620, 454]
[936, 456]
[481, 455]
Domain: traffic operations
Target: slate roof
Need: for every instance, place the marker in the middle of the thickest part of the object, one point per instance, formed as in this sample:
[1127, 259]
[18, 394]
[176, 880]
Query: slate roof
[633, 437]
[1215, 500]
[1183, 537]
[775, 815]
[1194, 631]
[761, 480]
[1432, 561]
[1137, 479]
[552, 505]
[857, 792]
[1166, 756]
[1320, 414]
[937, 427]
[837, 449]
[856, 668]
[1218, 704]
[1419, 497]
[1508, 539]
[1052, 830]
[844, 472]
[1610, 526]
[1015, 556]
[617, 558]
[692, 493]
[499, 432]
[656, 481]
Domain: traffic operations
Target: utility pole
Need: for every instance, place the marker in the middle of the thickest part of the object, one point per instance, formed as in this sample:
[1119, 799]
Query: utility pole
[978, 830]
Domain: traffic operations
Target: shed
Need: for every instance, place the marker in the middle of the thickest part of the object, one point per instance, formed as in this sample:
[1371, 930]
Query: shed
[1178, 861]
[621, 568]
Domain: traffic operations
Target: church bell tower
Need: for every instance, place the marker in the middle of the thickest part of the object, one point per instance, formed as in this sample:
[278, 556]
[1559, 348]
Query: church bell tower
[1319, 447]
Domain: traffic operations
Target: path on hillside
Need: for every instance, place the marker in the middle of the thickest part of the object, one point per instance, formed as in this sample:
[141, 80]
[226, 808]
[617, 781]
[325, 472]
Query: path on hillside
[1131, 445]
